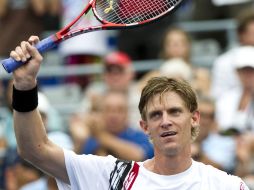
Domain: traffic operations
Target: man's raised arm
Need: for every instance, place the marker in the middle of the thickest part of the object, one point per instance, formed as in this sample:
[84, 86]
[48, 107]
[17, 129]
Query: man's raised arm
[32, 140]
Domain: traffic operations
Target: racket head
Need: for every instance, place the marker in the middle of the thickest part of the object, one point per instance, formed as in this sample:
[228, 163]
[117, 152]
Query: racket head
[127, 13]
[118, 14]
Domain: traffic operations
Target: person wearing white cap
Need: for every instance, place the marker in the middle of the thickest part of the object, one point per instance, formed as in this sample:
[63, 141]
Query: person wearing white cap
[118, 75]
[224, 76]
[176, 68]
[235, 108]
[235, 112]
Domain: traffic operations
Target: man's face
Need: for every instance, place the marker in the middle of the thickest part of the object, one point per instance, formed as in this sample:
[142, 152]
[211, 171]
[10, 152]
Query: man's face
[169, 124]
[115, 112]
[118, 77]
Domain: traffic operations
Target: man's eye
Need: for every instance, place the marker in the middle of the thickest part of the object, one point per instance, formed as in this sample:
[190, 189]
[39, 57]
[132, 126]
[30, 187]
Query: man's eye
[175, 111]
[155, 115]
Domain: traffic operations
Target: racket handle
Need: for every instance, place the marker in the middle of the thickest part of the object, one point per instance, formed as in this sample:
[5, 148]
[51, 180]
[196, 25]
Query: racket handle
[11, 65]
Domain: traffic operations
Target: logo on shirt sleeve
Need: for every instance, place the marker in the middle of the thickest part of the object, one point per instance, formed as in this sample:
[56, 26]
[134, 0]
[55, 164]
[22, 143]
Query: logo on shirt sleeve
[123, 175]
[242, 186]
[118, 175]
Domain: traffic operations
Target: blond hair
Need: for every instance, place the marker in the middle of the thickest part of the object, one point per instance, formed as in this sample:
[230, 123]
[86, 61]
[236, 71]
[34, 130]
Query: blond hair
[161, 85]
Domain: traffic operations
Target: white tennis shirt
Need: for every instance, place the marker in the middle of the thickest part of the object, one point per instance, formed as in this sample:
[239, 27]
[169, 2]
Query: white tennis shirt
[89, 172]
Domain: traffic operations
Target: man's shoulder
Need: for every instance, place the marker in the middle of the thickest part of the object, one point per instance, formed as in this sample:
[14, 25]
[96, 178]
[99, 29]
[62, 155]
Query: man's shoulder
[87, 159]
[220, 178]
[210, 170]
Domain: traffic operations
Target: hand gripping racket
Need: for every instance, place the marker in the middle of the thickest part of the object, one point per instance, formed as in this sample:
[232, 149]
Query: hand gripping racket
[112, 14]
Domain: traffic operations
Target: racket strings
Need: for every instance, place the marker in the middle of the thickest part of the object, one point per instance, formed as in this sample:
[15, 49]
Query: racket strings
[112, 15]
[80, 24]
[115, 17]
[131, 11]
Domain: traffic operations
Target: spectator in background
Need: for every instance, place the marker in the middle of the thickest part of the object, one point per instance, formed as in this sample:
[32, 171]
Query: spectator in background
[234, 109]
[20, 173]
[50, 11]
[15, 172]
[176, 68]
[175, 49]
[176, 44]
[110, 132]
[218, 10]
[211, 147]
[245, 158]
[12, 166]
[224, 76]
[54, 120]
[207, 128]
[22, 18]
[118, 75]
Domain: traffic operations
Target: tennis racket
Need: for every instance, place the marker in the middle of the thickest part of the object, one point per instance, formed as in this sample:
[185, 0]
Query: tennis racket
[112, 14]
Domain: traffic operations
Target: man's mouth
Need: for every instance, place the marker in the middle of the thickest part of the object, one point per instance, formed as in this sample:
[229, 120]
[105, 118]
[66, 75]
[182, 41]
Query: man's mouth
[168, 133]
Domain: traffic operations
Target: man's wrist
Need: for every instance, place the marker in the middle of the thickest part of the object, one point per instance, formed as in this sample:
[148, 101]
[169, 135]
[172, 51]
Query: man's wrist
[25, 100]
[25, 84]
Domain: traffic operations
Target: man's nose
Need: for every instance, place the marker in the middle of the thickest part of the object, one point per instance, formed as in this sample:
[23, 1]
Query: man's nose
[166, 121]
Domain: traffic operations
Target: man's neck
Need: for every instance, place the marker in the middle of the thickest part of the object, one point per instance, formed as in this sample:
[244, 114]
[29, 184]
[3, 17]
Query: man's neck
[169, 165]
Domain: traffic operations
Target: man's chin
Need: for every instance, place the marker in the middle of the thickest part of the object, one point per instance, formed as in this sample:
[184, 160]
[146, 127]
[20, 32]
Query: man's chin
[171, 150]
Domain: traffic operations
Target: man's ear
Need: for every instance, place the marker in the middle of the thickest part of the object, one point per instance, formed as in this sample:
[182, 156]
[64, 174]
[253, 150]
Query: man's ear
[144, 127]
[195, 118]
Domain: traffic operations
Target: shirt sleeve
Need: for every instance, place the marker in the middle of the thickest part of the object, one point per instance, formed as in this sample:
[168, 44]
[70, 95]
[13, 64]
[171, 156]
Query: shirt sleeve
[243, 186]
[87, 171]
[237, 183]
[222, 180]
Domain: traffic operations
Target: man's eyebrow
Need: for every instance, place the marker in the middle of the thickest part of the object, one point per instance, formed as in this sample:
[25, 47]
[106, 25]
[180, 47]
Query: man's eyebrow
[150, 113]
[175, 108]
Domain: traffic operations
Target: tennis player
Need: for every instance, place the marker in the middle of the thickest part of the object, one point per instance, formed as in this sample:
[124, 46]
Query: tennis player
[169, 115]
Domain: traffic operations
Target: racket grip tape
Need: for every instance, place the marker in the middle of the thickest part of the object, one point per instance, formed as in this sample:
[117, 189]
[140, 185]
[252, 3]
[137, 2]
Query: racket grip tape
[11, 65]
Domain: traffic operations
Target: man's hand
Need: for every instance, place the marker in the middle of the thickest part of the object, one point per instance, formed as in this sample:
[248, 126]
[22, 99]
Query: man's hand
[25, 76]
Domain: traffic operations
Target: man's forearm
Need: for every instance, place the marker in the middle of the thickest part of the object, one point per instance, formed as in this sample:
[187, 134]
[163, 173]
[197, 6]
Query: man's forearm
[30, 133]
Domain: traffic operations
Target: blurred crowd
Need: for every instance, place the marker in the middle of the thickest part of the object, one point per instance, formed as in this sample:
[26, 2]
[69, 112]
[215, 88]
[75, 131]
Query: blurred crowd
[107, 118]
